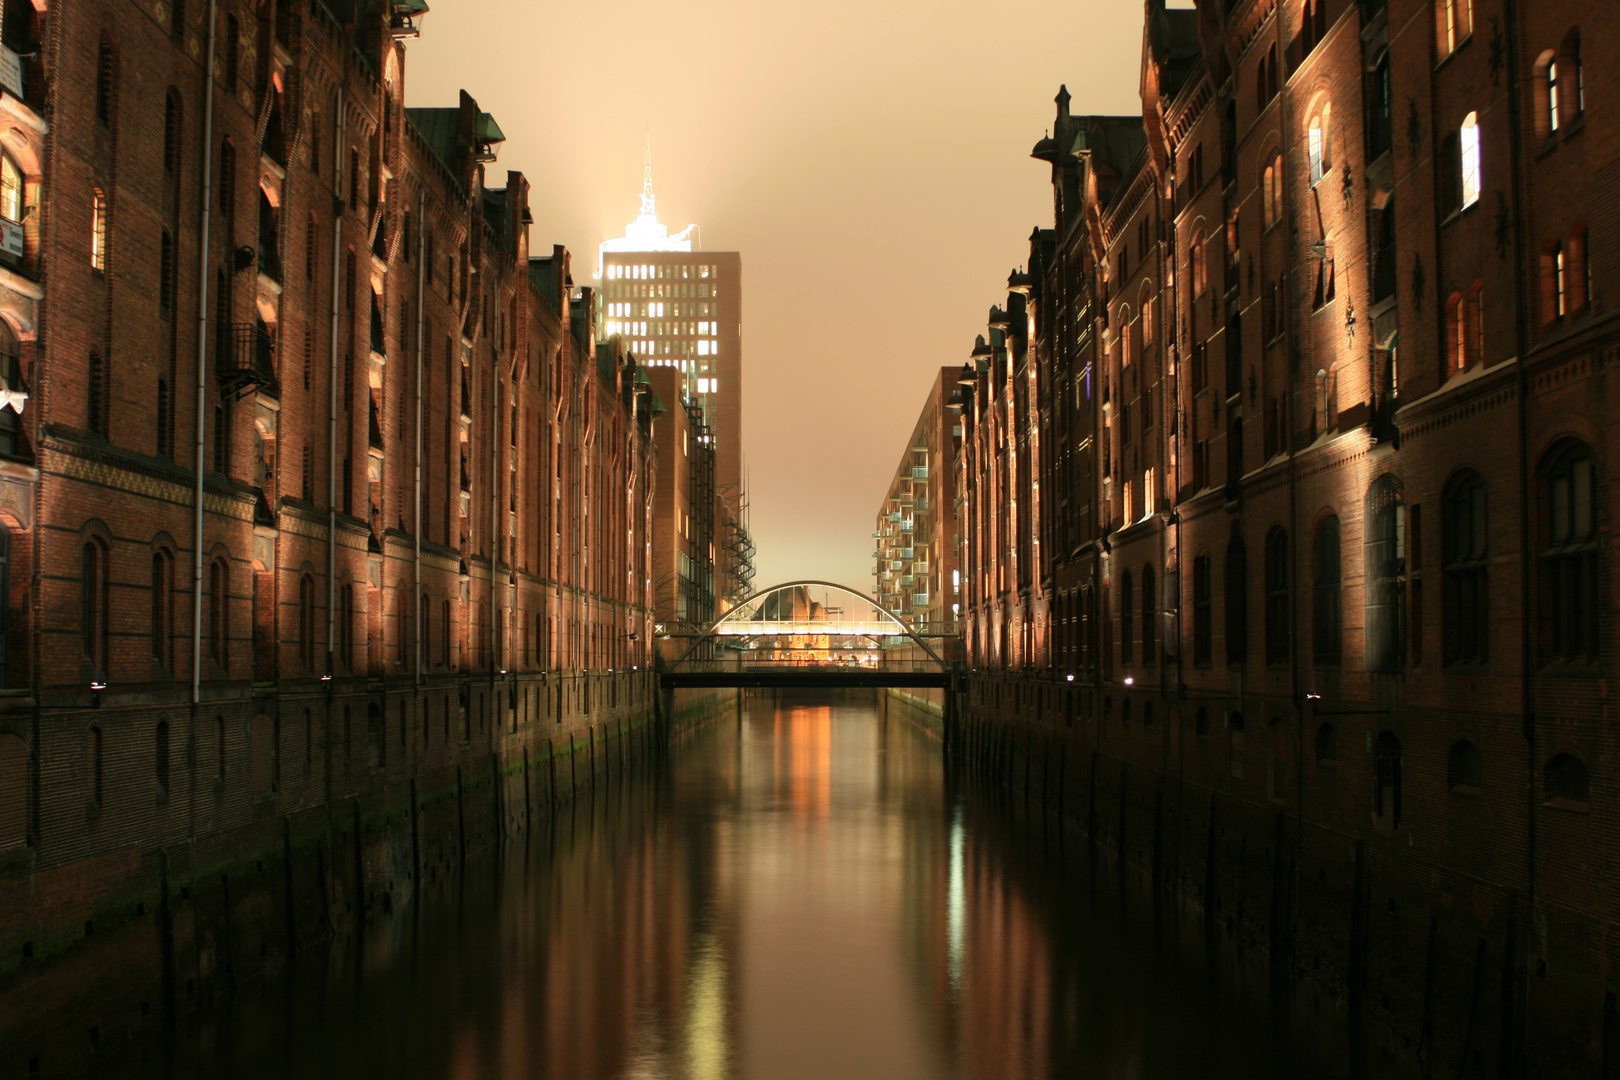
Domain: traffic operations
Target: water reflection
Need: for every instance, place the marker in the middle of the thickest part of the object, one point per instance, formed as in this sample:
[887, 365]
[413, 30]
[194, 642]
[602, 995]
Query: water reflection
[799, 893]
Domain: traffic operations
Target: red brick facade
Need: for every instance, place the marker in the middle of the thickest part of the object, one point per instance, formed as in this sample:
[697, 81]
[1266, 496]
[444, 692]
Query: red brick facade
[426, 491]
[1283, 495]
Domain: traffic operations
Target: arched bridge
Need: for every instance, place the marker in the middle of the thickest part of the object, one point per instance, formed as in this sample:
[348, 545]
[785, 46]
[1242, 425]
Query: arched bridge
[806, 634]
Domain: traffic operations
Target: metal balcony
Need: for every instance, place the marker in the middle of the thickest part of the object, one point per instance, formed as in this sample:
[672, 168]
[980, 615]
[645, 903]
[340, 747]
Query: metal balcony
[245, 359]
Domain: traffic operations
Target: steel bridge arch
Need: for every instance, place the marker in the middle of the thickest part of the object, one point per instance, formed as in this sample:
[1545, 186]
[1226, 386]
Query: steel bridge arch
[713, 632]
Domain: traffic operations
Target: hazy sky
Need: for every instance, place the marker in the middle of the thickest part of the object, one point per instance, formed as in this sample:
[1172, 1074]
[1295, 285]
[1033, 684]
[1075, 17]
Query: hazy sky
[870, 160]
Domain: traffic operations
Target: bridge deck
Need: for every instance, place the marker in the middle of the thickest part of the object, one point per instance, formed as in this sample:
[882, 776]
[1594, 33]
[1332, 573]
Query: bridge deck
[805, 677]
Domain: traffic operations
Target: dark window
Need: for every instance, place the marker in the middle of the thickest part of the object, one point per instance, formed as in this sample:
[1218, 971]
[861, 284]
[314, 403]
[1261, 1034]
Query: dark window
[1126, 630]
[106, 77]
[1465, 599]
[1203, 616]
[1201, 723]
[306, 622]
[1237, 601]
[219, 583]
[1387, 781]
[227, 181]
[1384, 268]
[1277, 597]
[93, 607]
[11, 430]
[1569, 568]
[171, 135]
[1465, 768]
[1327, 744]
[1150, 615]
[165, 274]
[96, 759]
[1567, 780]
[1326, 635]
[219, 747]
[1380, 111]
[160, 755]
[233, 52]
[1386, 576]
[98, 404]
[162, 592]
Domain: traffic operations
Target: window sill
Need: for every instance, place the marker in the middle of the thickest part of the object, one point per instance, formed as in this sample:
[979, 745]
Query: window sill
[1466, 791]
[1460, 46]
[1569, 806]
[1330, 764]
[1571, 669]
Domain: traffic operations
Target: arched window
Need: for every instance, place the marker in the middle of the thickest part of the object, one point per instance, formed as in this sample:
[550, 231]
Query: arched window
[1387, 781]
[1126, 612]
[98, 230]
[1269, 203]
[1237, 600]
[1276, 758]
[11, 189]
[378, 733]
[1384, 266]
[93, 607]
[1570, 587]
[444, 635]
[171, 135]
[1327, 744]
[1326, 633]
[1385, 578]
[219, 747]
[106, 80]
[160, 756]
[1319, 145]
[1466, 601]
[1200, 265]
[1150, 615]
[306, 622]
[233, 52]
[311, 249]
[11, 429]
[219, 583]
[1566, 782]
[165, 274]
[1277, 606]
[227, 181]
[162, 625]
[1465, 768]
[1456, 336]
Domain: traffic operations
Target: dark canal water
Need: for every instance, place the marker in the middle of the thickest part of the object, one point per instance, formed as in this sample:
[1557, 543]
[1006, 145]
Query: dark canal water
[799, 893]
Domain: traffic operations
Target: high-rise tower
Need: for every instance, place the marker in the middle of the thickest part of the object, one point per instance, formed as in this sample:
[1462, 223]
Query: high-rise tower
[675, 305]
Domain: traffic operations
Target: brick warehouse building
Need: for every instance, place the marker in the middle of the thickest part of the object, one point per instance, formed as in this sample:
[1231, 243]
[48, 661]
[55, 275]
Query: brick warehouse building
[1350, 262]
[424, 558]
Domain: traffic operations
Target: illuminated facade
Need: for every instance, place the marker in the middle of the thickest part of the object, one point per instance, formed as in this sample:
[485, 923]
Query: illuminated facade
[314, 493]
[915, 535]
[1283, 496]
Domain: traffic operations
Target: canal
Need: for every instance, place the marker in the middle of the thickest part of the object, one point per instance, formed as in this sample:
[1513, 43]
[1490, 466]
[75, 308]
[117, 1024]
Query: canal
[800, 891]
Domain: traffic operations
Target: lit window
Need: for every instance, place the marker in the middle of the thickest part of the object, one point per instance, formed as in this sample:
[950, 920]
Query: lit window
[1469, 146]
[11, 189]
[98, 230]
[1319, 145]
[1552, 95]
[1559, 298]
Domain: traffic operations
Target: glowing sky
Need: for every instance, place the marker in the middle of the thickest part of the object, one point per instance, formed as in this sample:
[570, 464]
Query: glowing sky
[868, 159]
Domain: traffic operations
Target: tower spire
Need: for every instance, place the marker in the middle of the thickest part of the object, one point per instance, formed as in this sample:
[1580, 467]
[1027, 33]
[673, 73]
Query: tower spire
[649, 201]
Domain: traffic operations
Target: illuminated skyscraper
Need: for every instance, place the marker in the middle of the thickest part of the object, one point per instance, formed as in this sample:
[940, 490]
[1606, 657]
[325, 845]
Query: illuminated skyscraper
[674, 305]
[677, 306]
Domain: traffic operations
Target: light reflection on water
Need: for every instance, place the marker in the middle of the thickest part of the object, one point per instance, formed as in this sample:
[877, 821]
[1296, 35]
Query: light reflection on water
[798, 894]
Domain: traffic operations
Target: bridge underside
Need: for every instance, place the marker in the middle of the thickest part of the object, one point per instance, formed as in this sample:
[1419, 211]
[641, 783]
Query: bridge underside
[801, 678]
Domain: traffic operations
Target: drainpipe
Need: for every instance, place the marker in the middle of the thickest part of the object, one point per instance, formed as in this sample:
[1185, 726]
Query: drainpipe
[332, 396]
[494, 506]
[421, 333]
[1514, 1058]
[205, 212]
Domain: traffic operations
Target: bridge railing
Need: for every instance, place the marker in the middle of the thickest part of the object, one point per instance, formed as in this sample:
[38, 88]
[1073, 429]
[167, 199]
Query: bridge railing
[740, 663]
